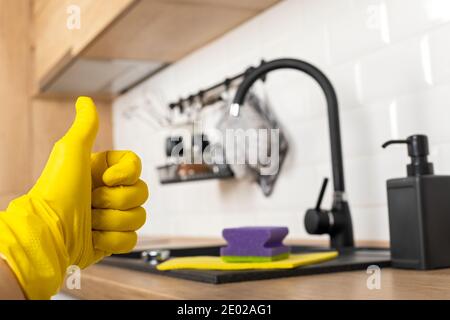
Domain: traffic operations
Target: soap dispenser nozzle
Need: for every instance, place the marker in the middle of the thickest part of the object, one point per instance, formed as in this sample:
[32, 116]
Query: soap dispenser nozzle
[418, 151]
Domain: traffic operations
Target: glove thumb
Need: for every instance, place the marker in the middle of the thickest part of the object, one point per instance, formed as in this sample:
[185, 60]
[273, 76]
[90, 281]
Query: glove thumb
[85, 126]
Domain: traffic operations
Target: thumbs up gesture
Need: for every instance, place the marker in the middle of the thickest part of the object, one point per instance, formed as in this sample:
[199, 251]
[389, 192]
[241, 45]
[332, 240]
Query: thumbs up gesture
[83, 207]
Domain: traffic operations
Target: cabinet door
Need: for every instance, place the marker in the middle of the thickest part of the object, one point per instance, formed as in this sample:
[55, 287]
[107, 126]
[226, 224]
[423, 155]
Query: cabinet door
[55, 43]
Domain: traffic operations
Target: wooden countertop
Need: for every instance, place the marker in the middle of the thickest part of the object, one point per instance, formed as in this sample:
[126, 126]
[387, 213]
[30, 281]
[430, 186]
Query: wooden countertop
[106, 282]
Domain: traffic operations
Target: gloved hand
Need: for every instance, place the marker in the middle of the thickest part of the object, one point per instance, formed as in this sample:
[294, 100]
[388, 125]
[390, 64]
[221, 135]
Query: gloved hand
[82, 208]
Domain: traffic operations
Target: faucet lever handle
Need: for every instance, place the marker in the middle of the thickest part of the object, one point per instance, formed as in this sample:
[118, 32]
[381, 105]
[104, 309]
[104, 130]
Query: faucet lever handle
[322, 193]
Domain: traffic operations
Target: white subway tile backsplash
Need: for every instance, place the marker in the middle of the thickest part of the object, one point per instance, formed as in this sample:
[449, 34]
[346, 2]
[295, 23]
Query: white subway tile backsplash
[345, 81]
[364, 20]
[392, 71]
[366, 176]
[439, 54]
[371, 223]
[442, 159]
[293, 219]
[426, 112]
[310, 141]
[305, 43]
[359, 28]
[408, 18]
[365, 129]
[270, 27]
[294, 97]
[388, 61]
[295, 188]
[437, 11]
[198, 225]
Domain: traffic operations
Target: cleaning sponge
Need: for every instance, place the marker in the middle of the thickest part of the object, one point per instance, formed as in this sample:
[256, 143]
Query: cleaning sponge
[255, 244]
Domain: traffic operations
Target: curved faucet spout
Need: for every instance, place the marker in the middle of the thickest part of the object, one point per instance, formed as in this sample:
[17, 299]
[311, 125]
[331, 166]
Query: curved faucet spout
[344, 232]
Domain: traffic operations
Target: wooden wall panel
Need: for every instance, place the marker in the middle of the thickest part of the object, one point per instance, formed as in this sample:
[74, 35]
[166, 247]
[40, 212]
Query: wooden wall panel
[15, 158]
[50, 120]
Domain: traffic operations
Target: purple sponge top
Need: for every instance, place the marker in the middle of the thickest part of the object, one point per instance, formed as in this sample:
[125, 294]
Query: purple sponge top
[255, 241]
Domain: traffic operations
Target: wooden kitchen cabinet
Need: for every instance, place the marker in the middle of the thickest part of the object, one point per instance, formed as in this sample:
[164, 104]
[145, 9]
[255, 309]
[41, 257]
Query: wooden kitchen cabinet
[55, 45]
[115, 34]
[167, 30]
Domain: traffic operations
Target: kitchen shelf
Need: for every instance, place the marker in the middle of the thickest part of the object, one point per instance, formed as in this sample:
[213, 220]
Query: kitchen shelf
[169, 174]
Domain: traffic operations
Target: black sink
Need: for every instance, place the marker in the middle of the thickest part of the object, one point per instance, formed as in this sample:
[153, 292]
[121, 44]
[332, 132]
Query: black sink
[349, 259]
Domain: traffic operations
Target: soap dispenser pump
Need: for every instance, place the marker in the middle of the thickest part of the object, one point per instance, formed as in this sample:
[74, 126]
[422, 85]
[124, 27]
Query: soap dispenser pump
[418, 151]
[419, 211]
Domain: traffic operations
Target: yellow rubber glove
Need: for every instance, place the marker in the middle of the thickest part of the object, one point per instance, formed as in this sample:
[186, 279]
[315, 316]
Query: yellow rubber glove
[82, 208]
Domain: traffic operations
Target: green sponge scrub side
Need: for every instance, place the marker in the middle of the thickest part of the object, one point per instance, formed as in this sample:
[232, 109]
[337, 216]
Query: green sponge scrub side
[256, 259]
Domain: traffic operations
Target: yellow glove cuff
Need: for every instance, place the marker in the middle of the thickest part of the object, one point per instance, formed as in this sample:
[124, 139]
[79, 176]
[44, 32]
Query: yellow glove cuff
[33, 246]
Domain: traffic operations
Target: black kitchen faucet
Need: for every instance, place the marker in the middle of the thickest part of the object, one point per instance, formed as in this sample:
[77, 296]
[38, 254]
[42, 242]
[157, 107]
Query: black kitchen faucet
[337, 221]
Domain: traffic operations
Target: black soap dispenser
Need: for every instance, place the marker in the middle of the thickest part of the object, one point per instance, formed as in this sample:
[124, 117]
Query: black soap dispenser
[419, 212]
